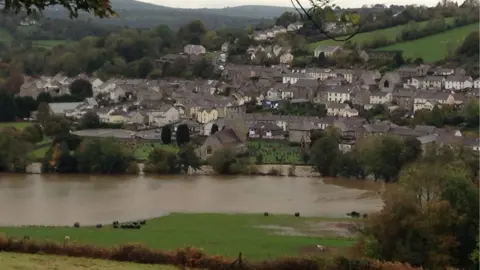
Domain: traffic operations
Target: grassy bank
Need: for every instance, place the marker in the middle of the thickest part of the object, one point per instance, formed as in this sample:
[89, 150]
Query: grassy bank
[17, 125]
[257, 236]
[389, 33]
[48, 262]
[435, 47]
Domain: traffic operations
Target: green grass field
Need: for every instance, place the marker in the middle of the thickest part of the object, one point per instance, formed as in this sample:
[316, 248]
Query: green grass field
[9, 261]
[216, 234]
[47, 44]
[435, 47]
[390, 33]
[274, 152]
[17, 125]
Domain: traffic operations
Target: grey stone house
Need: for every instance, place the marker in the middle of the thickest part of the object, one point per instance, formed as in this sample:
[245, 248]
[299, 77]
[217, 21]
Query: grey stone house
[226, 138]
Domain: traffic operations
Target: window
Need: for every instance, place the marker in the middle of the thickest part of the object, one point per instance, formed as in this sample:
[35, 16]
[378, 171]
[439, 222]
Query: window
[209, 150]
[386, 84]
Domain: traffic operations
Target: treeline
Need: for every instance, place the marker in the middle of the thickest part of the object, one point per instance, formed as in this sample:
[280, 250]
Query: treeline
[128, 52]
[416, 30]
[383, 157]
[51, 29]
[395, 17]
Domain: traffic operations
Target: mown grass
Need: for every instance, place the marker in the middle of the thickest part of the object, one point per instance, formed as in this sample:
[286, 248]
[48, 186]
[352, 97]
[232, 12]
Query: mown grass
[389, 33]
[274, 152]
[435, 47]
[48, 262]
[216, 234]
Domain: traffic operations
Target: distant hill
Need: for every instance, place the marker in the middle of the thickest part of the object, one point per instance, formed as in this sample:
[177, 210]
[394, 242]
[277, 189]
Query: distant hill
[145, 15]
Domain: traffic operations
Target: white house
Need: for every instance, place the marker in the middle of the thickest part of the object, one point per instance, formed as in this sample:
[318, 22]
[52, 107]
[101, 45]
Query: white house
[328, 51]
[426, 101]
[225, 47]
[259, 36]
[279, 30]
[191, 49]
[294, 26]
[341, 109]
[380, 98]
[339, 94]
[455, 82]
[286, 58]
[476, 83]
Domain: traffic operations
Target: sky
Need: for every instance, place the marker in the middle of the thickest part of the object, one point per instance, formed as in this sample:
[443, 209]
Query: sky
[286, 3]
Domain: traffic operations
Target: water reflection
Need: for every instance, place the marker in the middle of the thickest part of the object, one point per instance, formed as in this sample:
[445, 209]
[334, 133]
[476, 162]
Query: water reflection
[65, 199]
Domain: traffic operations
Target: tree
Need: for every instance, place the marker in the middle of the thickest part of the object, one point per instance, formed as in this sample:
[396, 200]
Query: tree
[100, 8]
[90, 120]
[81, 89]
[166, 134]
[214, 129]
[162, 162]
[110, 157]
[440, 193]
[43, 113]
[8, 108]
[224, 161]
[324, 155]
[13, 151]
[32, 134]
[25, 105]
[14, 82]
[55, 126]
[188, 159]
[182, 135]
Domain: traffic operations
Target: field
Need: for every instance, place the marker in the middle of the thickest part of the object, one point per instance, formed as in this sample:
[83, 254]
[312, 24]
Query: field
[142, 149]
[390, 33]
[274, 152]
[49, 262]
[17, 125]
[435, 47]
[47, 44]
[256, 236]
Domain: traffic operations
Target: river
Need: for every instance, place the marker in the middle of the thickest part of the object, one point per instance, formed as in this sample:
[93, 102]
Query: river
[48, 199]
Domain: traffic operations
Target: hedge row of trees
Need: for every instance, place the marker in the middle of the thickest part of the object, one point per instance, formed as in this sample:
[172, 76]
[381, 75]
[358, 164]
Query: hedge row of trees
[383, 157]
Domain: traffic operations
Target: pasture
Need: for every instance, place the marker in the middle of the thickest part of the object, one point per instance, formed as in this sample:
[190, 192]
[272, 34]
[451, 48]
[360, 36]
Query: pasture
[49, 262]
[435, 47]
[275, 152]
[255, 235]
[389, 33]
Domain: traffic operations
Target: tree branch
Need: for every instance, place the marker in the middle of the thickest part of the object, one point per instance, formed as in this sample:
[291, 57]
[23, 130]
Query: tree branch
[311, 12]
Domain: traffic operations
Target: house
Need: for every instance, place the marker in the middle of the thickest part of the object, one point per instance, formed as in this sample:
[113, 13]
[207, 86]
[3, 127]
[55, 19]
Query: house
[300, 131]
[191, 49]
[206, 115]
[116, 117]
[380, 98]
[260, 36]
[476, 83]
[294, 26]
[409, 71]
[62, 108]
[327, 51]
[458, 82]
[265, 131]
[166, 114]
[286, 58]
[442, 71]
[404, 98]
[207, 128]
[279, 30]
[428, 100]
[436, 82]
[227, 138]
[339, 94]
[390, 81]
[225, 47]
[341, 109]
[137, 117]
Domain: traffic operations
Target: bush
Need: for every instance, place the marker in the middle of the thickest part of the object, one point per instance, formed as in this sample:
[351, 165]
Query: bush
[188, 257]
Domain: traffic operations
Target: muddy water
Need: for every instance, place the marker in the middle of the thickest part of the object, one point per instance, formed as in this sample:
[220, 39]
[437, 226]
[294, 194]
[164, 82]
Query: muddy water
[65, 199]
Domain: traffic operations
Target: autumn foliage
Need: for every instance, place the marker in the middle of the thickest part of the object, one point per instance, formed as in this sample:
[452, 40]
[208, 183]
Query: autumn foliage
[187, 257]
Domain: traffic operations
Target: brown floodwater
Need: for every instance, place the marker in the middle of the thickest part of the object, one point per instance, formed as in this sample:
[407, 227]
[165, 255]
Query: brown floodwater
[27, 199]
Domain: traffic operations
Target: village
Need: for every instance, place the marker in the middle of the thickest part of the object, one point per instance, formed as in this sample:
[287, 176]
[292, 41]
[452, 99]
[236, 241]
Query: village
[145, 106]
